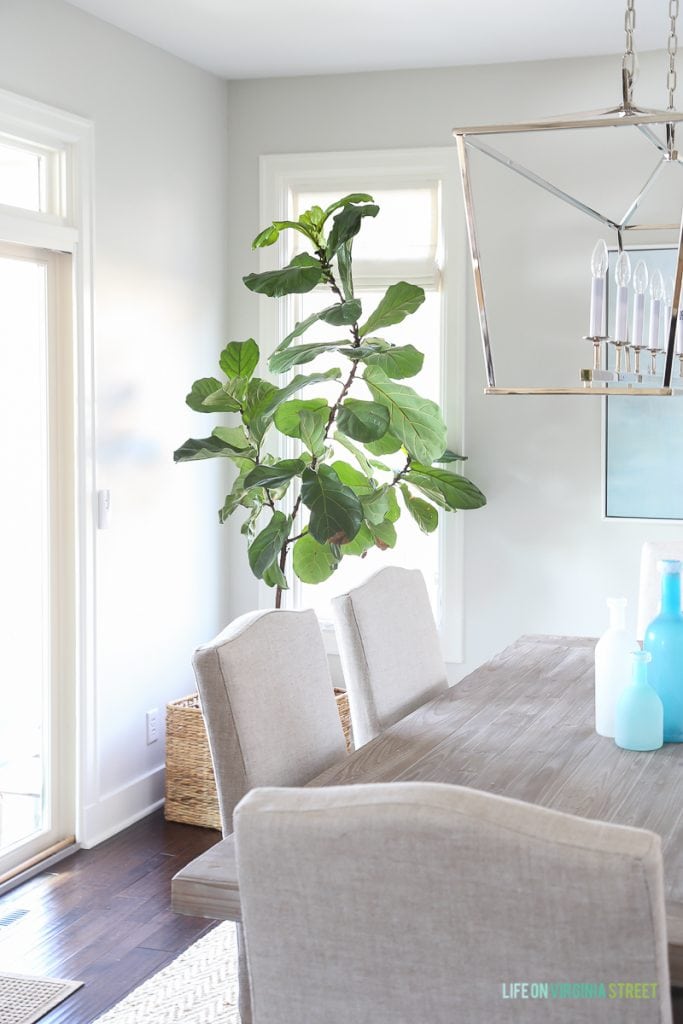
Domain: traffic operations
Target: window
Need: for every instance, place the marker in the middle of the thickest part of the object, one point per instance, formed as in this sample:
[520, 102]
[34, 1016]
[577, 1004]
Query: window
[415, 192]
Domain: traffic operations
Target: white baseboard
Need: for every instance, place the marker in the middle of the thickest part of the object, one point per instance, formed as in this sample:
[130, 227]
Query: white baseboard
[117, 810]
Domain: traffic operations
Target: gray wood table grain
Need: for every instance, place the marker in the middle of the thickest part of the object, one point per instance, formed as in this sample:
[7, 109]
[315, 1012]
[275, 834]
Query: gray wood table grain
[521, 726]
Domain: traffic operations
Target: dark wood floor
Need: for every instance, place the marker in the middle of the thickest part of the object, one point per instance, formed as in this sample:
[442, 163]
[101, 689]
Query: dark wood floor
[104, 917]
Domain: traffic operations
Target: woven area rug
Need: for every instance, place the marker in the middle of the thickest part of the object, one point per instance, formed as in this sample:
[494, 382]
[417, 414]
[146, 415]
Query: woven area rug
[199, 987]
[24, 1000]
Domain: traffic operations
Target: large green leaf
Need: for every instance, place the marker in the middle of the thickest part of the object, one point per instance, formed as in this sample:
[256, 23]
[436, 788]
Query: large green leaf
[416, 421]
[358, 455]
[450, 490]
[386, 445]
[361, 543]
[336, 512]
[287, 416]
[315, 217]
[268, 236]
[266, 546]
[424, 514]
[376, 505]
[248, 527]
[239, 359]
[312, 428]
[363, 421]
[280, 362]
[384, 534]
[313, 562]
[201, 389]
[195, 449]
[400, 301]
[449, 456]
[345, 268]
[235, 437]
[341, 314]
[232, 391]
[251, 498]
[358, 482]
[394, 513]
[297, 225]
[207, 395]
[353, 197]
[274, 577]
[301, 275]
[346, 225]
[398, 361]
[259, 392]
[276, 475]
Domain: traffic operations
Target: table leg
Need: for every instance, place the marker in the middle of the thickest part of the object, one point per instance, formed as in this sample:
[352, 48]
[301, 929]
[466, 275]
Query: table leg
[243, 989]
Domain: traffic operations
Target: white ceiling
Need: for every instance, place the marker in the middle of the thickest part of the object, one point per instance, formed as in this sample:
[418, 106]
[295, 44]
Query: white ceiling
[266, 38]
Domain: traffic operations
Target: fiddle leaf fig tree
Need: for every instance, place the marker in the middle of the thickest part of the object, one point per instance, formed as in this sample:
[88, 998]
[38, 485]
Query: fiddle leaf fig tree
[373, 450]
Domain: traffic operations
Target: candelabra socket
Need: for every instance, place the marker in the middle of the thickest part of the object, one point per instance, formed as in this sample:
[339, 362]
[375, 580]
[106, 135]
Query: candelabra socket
[654, 352]
[597, 340]
[637, 349]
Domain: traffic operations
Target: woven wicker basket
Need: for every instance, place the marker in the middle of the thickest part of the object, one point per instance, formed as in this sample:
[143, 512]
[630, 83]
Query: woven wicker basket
[190, 782]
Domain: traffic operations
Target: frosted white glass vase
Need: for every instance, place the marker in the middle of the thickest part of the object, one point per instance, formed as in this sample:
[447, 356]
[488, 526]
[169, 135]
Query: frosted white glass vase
[612, 666]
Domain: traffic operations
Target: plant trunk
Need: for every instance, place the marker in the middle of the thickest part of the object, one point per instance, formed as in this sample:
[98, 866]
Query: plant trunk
[283, 562]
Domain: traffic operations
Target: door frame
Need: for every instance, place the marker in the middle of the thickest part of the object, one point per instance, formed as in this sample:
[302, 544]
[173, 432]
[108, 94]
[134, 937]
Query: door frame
[67, 228]
[58, 700]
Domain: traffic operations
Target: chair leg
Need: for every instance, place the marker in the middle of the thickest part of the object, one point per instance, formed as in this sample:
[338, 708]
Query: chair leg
[243, 990]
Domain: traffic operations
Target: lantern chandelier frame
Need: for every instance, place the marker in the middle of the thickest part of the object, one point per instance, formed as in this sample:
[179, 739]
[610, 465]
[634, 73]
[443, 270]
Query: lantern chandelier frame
[597, 380]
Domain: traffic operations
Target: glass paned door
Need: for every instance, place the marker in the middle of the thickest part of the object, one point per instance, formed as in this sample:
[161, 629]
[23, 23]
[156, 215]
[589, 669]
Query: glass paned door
[33, 545]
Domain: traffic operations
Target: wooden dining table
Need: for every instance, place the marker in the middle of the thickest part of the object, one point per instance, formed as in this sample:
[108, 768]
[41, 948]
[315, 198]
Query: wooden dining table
[522, 726]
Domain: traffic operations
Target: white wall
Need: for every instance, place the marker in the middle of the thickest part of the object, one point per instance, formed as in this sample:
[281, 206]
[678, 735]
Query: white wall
[539, 558]
[161, 184]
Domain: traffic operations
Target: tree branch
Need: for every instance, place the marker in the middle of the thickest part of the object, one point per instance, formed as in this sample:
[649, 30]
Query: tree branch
[402, 472]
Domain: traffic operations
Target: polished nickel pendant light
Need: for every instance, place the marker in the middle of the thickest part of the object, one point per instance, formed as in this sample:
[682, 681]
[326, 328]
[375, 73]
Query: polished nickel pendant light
[659, 127]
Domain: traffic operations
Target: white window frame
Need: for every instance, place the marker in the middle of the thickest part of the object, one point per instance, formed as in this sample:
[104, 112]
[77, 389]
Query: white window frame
[67, 227]
[280, 175]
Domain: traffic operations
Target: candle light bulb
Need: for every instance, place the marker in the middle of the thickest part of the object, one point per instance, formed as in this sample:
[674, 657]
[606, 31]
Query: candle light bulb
[599, 259]
[656, 295]
[669, 295]
[640, 278]
[657, 286]
[622, 272]
[599, 264]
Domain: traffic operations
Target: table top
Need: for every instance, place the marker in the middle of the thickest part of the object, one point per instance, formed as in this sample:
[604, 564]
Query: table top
[522, 726]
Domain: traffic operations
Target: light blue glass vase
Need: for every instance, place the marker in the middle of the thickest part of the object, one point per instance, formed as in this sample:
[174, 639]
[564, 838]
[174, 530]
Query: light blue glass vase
[664, 641]
[639, 715]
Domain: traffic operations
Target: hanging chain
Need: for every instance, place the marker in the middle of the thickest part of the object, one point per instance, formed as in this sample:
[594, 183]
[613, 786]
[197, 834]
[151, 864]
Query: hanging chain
[629, 63]
[672, 49]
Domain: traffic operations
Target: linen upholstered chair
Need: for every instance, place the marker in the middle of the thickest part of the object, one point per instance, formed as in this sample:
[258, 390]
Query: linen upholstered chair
[389, 903]
[389, 649]
[271, 717]
[649, 593]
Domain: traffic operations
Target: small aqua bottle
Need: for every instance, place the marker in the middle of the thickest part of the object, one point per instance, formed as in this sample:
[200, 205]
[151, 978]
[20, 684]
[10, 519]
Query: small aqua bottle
[664, 640]
[639, 715]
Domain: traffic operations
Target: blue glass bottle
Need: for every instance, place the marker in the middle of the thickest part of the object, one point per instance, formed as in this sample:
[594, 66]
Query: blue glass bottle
[639, 715]
[664, 641]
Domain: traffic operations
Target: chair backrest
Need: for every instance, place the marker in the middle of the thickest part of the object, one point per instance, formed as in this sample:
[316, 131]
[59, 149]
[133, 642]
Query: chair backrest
[389, 649]
[428, 903]
[649, 593]
[268, 702]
